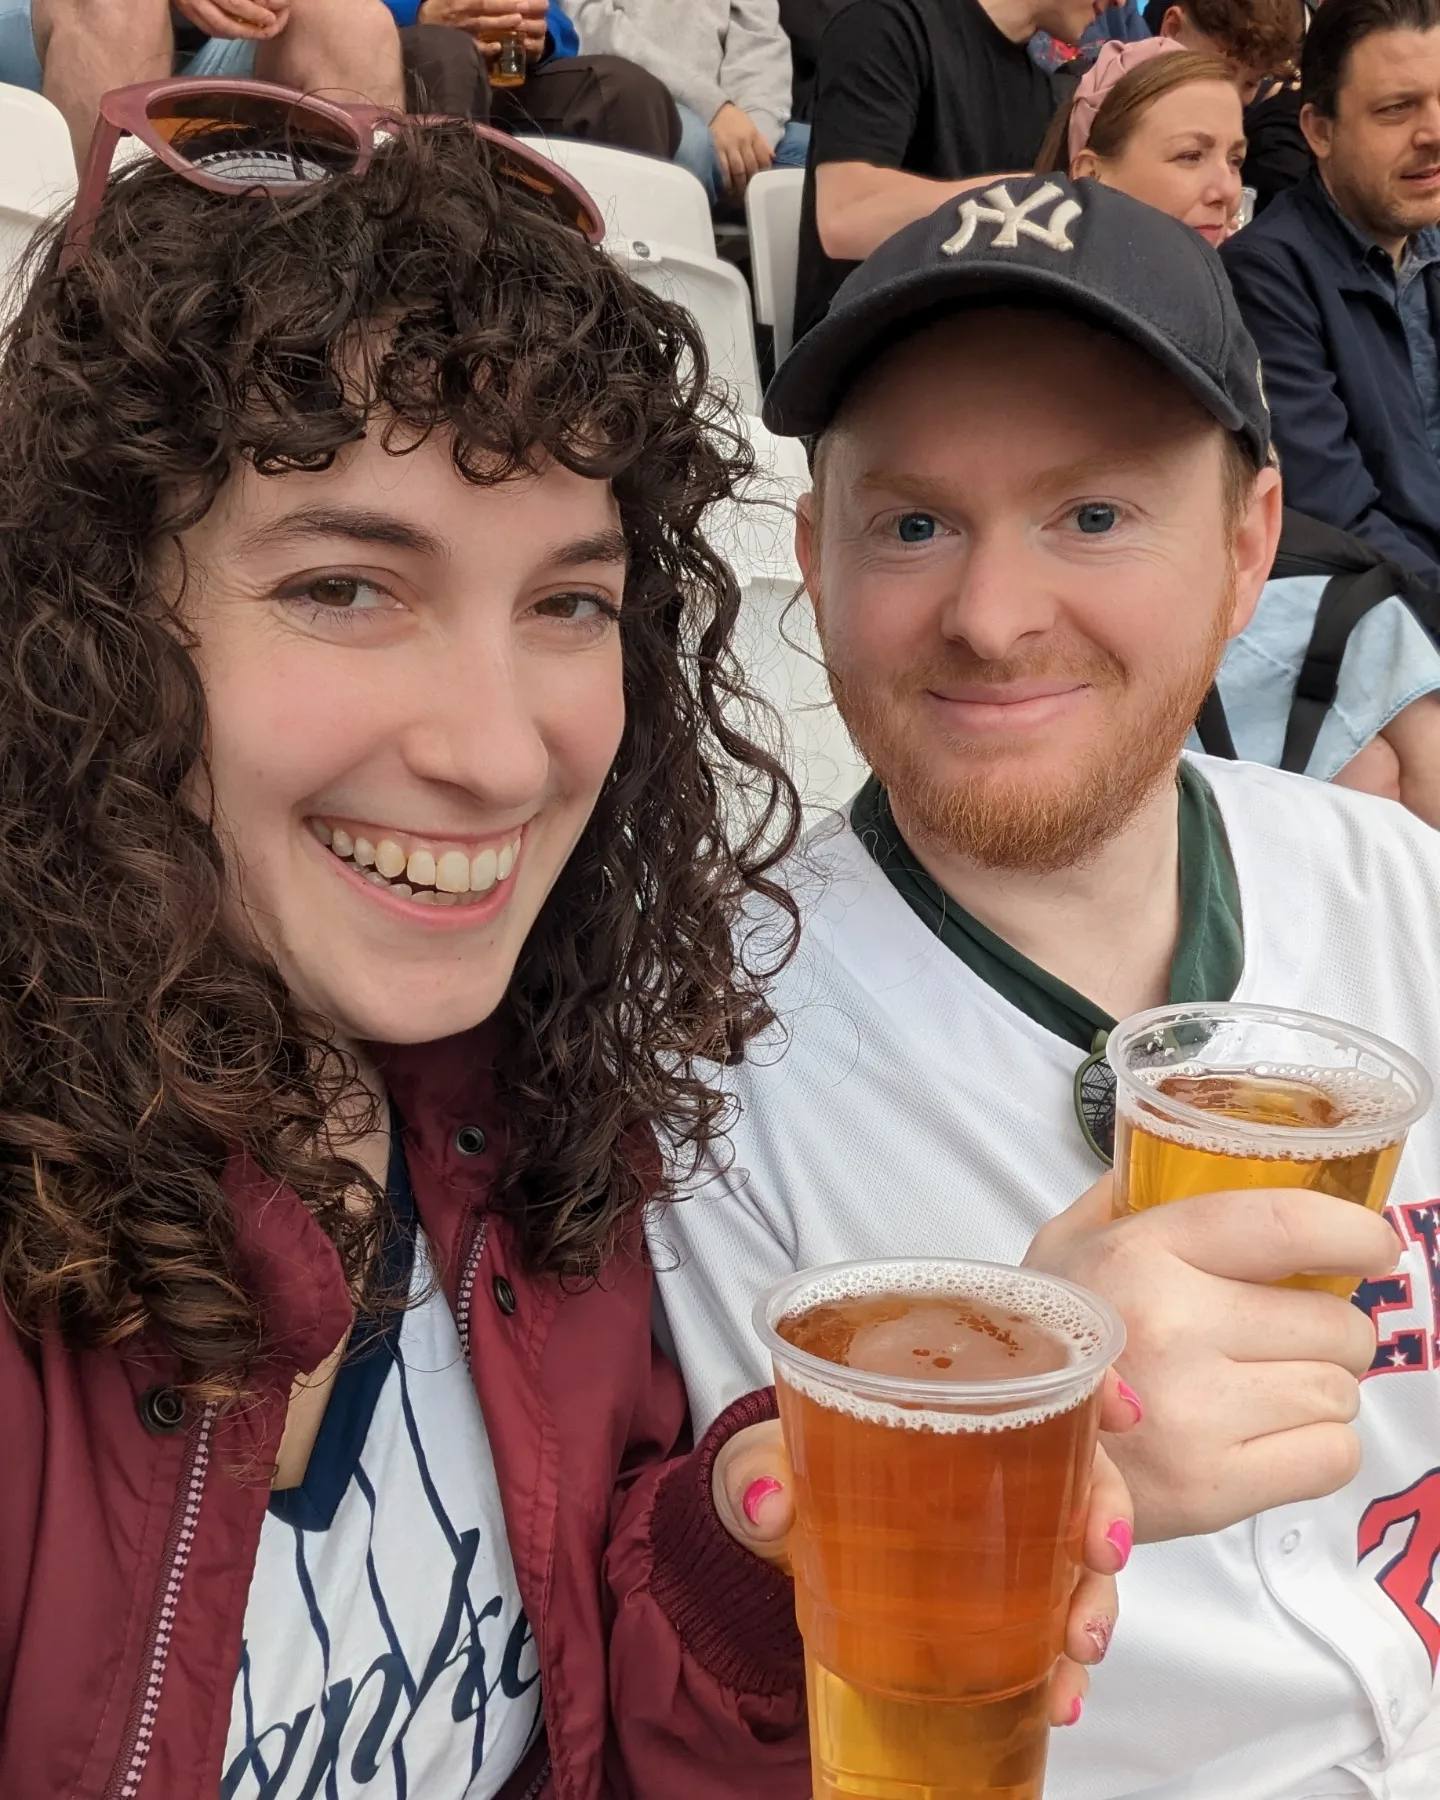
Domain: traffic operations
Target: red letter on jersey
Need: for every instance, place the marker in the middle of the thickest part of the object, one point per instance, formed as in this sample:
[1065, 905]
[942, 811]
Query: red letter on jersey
[1407, 1578]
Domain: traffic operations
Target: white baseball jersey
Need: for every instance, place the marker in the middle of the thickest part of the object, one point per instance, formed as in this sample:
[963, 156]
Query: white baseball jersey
[905, 1108]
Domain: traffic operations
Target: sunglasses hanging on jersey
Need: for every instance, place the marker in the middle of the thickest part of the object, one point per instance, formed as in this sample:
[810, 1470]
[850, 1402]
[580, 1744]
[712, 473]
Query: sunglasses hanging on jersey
[1094, 1092]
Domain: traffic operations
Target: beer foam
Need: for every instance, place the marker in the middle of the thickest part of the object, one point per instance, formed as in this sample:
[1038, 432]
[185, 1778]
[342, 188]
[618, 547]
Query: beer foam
[1367, 1101]
[1065, 1316]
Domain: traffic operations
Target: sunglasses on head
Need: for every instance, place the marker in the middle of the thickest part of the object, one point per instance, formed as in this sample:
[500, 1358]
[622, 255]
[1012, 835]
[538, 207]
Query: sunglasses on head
[250, 137]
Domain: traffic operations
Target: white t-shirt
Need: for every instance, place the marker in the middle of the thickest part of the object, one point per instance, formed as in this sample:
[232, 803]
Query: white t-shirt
[387, 1654]
[905, 1108]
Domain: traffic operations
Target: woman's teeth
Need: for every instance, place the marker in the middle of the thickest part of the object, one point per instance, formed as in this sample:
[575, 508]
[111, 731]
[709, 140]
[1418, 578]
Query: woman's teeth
[451, 878]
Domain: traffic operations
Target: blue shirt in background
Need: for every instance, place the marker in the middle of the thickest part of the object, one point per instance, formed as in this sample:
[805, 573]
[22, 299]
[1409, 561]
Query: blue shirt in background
[1122, 23]
[1412, 303]
[562, 37]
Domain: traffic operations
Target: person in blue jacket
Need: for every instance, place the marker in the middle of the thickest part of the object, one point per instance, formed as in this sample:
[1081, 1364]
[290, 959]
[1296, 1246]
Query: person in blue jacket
[1339, 283]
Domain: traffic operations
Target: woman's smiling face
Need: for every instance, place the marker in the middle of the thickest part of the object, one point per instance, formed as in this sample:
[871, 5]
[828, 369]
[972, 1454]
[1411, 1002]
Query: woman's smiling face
[414, 697]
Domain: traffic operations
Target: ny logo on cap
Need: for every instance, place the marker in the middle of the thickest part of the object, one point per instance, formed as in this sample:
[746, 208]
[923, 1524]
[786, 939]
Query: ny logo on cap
[1013, 219]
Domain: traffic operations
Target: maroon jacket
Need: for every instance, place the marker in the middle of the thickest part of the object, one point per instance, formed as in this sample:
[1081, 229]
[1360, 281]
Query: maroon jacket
[670, 1664]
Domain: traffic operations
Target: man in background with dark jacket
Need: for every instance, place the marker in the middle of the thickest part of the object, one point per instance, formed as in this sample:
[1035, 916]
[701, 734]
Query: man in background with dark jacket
[1339, 282]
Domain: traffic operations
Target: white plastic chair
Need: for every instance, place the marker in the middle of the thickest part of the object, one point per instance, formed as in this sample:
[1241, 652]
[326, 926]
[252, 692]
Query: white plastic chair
[37, 175]
[772, 210]
[715, 294]
[775, 639]
[638, 196]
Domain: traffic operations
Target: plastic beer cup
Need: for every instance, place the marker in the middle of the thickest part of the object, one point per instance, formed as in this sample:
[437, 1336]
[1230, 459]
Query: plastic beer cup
[939, 1513]
[1214, 1097]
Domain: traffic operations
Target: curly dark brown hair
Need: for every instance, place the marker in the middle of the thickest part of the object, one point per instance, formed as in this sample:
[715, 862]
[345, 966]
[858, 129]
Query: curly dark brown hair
[141, 1047]
[1259, 34]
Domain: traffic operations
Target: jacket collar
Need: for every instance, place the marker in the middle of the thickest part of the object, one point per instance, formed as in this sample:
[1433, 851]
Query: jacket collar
[1356, 265]
[285, 1260]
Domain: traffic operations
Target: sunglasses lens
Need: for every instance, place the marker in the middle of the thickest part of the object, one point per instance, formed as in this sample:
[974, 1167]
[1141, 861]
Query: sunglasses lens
[250, 139]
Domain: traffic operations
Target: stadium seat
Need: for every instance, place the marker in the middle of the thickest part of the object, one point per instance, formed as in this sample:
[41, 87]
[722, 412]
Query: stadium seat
[715, 293]
[639, 196]
[772, 208]
[775, 639]
[37, 176]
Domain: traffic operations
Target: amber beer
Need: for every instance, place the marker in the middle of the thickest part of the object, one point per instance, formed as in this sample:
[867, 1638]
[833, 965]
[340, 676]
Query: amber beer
[941, 1420]
[1210, 1098]
[510, 67]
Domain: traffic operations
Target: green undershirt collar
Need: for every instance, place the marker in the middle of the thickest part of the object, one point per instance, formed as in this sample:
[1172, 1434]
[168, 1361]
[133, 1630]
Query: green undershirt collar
[1209, 954]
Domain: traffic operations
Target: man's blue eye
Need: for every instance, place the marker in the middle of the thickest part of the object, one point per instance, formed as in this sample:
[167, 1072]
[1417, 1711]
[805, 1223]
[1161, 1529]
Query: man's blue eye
[915, 528]
[1095, 518]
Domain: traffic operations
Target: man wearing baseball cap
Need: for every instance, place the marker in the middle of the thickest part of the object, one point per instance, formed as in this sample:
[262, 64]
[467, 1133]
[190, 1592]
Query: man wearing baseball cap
[1042, 505]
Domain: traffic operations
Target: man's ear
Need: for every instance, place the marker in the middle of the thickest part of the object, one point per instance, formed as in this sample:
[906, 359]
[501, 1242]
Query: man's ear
[807, 543]
[1173, 23]
[1253, 546]
[1318, 131]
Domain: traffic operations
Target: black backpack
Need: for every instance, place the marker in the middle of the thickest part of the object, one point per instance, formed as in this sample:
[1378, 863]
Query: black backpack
[1360, 578]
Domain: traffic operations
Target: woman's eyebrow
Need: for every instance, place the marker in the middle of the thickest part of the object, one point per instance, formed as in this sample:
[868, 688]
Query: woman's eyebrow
[360, 524]
[597, 547]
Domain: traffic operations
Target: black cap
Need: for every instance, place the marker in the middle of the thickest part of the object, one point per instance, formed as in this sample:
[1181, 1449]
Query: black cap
[1078, 245]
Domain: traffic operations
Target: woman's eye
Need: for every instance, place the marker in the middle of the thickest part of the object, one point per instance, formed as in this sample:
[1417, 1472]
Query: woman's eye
[915, 528]
[338, 593]
[586, 608]
[1095, 517]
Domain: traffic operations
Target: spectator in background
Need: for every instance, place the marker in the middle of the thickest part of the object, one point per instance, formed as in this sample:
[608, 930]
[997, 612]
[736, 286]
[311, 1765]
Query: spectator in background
[73, 51]
[1339, 282]
[804, 23]
[1257, 38]
[1260, 40]
[914, 98]
[1161, 124]
[603, 98]
[1122, 24]
[727, 64]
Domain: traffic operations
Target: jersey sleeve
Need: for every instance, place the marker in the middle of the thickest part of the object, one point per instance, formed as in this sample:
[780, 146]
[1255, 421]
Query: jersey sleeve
[872, 71]
[716, 1251]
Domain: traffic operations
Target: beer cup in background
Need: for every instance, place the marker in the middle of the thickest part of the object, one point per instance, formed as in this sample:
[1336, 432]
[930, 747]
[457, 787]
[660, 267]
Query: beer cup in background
[941, 1420]
[1215, 1097]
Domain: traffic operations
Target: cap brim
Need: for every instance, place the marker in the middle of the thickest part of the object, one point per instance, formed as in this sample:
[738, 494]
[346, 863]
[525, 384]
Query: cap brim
[812, 381]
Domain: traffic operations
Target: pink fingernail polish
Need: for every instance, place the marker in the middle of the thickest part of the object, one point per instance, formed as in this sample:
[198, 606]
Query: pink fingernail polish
[1131, 1398]
[1099, 1632]
[758, 1492]
[1075, 1711]
[1122, 1539]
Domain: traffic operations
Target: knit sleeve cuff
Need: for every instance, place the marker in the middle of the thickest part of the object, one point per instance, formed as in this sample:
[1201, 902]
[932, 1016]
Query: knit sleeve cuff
[732, 1612]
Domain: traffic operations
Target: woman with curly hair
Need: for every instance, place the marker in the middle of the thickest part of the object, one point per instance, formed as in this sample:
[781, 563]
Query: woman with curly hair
[372, 754]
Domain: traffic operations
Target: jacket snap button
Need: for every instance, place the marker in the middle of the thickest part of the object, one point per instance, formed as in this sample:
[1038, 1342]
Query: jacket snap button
[470, 1140]
[161, 1410]
[504, 1295]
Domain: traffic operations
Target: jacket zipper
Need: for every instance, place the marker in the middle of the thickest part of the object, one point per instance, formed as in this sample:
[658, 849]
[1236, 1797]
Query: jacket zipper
[129, 1767]
[473, 1249]
[537, 1786]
